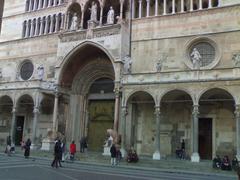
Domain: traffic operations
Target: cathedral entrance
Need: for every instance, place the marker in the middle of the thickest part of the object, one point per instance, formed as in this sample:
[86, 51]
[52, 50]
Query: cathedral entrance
[205, 138]
[89, 75]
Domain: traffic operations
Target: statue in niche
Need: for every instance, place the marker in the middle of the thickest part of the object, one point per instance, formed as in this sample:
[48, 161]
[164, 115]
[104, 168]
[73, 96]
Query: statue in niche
[236, 60]
[74, 22]
[127, 64]
[93, 10]
[40, 72]
[196, 58]
[110, 16]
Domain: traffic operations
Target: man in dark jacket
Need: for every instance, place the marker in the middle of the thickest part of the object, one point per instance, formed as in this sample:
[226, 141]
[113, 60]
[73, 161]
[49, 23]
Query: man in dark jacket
[57, 154]
[113, 152]
[27, 148]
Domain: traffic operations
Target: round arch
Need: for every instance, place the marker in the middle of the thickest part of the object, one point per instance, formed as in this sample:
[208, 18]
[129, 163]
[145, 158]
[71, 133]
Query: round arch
[137, 92]
[79, 48]
[6, 98]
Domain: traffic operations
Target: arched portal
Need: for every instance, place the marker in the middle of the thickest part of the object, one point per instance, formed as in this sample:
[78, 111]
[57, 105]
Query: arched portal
[89, 76]
[216, 124]
[141, 124]
[175, 123]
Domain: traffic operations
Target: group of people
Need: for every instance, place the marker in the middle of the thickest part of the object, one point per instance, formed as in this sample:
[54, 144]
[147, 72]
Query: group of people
[225, 163]
[180, 152]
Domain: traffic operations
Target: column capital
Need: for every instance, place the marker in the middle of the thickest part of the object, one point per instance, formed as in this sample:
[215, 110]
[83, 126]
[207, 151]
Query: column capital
[36, 110]
[195, 109]
[237, 110]
[157, 110]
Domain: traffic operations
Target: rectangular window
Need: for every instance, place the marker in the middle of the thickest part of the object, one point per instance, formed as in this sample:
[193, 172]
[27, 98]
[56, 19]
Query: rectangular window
[1, 13]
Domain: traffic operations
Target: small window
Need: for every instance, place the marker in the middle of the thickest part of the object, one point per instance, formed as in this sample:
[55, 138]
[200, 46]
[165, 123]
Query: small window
[26, 70]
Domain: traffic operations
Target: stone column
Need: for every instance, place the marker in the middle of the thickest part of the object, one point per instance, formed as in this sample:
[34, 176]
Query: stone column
[41, 27]
[35, 5]
[39, 4]
[116, 111]
[49, 3]
[55, 113]
[140, 9]
[123, 123]
[209, 3]
[133, 9]
[195, 156]
[147, 12]
[34, 127]
[200, 4]
[121, 9]
[237, 119]
[101, 16]
[191, 5]
[13, 124]
[30, 5]
[45, 3]
[62, 21]
[82, 18]
[55, 2]
[164, 7]
[156, 7]
[57, 23]
[182, 5]
[31, 29]
[173, 6]
[27, 29]
[156, 155]
[51, 24]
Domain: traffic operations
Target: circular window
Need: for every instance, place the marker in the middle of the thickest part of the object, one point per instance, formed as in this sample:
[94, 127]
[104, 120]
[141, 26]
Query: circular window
[202, 54]
[26, 70]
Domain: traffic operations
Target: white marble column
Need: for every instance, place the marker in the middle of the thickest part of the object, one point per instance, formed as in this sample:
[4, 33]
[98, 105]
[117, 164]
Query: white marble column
[49, 3]
[39, 4]
[55, 113]
[51, 24]
[191, 5]
[173, 7]
[116, 110]
[41, 27]
[46, 26]
[182, 5]
[164, 7]
[35, 5]
[209, 3]
[121, 9]
[45, 4]
[157, 155]
[237, 119]
[34, 126]
[31, 29]
[57, 23]
[13, 124]
[147, 9]
[27, 29]
[133, 9]
[195, 156]
[200, 4]
[82, 19]
[101, 16]
[55, 2]
[156, 7]
[62, 21]
[123, 124]
[140, 9]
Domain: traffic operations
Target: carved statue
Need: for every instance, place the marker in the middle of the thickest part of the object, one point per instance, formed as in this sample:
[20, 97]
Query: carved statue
[74, 22]
[236, 60]
[196, 58]
[160, 62]
[93, 10]
[110, 16]
[127, 64]
[40, 72]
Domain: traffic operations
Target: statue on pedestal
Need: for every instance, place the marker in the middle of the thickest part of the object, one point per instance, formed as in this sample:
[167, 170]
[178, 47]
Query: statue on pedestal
[93, 10]
[74, 22]
[40, 72]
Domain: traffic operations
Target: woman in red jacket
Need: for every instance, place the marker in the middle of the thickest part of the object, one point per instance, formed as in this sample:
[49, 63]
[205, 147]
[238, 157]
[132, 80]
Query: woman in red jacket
[72, 150]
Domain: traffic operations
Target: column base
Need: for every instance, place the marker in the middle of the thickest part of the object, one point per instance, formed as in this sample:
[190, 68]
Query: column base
[195, 157]
[156, 155]
[124, 153]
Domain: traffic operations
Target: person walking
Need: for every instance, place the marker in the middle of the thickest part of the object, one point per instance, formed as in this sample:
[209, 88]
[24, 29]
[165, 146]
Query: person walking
[27, 148]
[72, 150]
[83, 144]
[57, 153]
[113, 152]
[8, 147]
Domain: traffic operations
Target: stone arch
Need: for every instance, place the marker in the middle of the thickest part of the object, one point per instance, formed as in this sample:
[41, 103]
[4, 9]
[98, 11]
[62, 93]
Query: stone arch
[28, 96]
[167, 92]
[223, 89]
[132, 93]
[82, 45]
[6, 98]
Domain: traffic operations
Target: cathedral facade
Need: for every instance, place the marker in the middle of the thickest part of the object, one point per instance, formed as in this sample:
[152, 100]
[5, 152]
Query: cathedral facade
[156, 71]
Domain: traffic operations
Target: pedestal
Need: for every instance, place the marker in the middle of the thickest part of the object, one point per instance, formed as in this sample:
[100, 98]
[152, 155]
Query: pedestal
[195, 157]
[47, 144]
[156, 155]
[106, 151]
